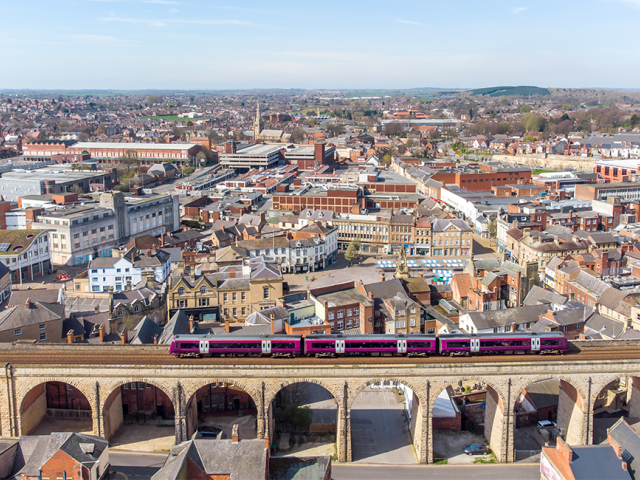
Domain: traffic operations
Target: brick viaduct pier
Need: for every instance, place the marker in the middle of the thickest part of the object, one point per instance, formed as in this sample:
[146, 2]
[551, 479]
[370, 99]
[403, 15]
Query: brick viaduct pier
[100, 372]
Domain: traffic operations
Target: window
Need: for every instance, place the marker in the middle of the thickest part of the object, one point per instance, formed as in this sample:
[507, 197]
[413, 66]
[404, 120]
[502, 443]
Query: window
[203, 302]
[136, 308]
[340, 313]
[17, 331]
[243, 296]
[349, 312]
[43, 337]
[244, 311]
[225, 297]
[203, 290]
[42, 326]
[413, 322]
[340, 325]
[234, 296]
[331, 315]
[235, 312]
[181, 291]
[120, 313]
[265, 293]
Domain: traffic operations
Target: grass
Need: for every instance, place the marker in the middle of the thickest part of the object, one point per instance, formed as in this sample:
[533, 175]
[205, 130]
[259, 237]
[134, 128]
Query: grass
[439, 459]
[492, 458]
[538, 171]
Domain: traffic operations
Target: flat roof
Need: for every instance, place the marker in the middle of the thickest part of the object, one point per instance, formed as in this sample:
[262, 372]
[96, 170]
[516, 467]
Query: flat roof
[128, 146]
[256, 150]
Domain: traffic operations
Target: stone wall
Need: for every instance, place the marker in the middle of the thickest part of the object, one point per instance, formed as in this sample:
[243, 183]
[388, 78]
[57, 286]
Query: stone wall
[34, 409]
[113, 418]
[571, 415]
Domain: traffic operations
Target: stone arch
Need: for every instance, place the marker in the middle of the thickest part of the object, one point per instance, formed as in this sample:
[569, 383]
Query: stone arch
[252, 387]
[436, 388]
[335, 388]
[36, 412]
[419, 391]
[111, 416]
[517, 387]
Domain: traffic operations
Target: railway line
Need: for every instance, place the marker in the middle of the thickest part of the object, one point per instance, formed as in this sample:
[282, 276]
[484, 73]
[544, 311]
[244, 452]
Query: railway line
[50, 355]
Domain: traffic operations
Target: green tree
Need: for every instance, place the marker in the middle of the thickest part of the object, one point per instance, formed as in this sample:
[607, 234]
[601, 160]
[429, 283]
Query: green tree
[633, 121]
[297, 136]
[352, 251]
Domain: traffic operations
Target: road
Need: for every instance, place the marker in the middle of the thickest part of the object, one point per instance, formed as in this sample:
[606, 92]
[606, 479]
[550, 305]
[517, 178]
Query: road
[435, 472]
[136, 466]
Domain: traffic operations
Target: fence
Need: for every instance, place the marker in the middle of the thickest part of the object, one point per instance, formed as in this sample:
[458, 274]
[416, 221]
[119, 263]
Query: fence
[527, 456]
[69, 414]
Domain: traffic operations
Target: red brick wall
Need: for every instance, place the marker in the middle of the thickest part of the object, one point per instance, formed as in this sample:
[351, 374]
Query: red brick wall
[59, 396]
[61, 462]
[452, 423]
[146, 400]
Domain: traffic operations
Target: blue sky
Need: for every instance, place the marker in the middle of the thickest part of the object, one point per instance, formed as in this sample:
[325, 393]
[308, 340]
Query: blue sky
[197, 44]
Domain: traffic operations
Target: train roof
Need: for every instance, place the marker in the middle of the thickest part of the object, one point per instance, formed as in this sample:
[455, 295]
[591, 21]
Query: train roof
[502, 335]
[235, 338]
[370, 337]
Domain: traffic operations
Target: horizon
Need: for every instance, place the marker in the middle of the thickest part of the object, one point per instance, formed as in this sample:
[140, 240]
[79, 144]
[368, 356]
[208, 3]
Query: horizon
[175, 45]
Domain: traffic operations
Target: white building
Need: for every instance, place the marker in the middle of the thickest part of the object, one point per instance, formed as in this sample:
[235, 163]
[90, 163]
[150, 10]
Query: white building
[122, 273]
[26, 253]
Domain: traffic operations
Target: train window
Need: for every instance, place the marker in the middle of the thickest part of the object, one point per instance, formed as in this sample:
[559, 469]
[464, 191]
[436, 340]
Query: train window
[491, 343]
[549, 342]
[322, 344]
[389, 344]
[283, 345]
[187, 345]
[458, 344]
[418, 344]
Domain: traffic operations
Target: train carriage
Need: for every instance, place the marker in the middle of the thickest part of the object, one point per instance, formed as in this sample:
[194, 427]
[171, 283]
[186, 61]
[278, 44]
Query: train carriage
[345, 345]
[236, 345]
[525, 342]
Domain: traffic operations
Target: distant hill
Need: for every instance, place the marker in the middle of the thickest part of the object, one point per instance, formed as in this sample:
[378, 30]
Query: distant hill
[505, 91]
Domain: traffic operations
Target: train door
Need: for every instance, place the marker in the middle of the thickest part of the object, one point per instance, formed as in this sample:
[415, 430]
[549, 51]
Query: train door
[266, 347]
[204, 346]
[475, 345]
[339, 346]
[535, 344]
[402, 346]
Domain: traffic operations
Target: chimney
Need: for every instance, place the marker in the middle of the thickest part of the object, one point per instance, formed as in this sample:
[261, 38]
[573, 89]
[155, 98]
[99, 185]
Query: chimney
[191, 324]
[125, 336]
[421, 275]
[149, 253]
[625, 466]
[382, 277]
[185, 228]
[101, 332]
[226, 326]
[234, 434]
[155, 339]
[266, 444]
[513, 327]
[371, 295]
[564, 450]
[232, 273]
[70, 338]
[27, 304]
[96, 309]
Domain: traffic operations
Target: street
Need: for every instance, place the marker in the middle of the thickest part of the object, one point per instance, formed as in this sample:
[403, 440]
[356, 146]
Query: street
[435, 472]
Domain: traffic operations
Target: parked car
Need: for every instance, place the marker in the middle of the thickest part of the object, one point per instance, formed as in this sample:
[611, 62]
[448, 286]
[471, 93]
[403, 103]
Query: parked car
[546, 424]
[475, 449]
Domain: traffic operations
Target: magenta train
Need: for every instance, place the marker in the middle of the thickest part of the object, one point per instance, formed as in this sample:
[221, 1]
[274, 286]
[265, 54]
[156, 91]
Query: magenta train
[345, 345]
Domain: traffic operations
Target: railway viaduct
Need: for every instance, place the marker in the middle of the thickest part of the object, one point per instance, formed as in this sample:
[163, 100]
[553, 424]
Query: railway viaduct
[100, 371]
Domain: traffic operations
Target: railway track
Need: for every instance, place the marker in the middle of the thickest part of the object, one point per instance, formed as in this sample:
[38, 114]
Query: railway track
[127, 355]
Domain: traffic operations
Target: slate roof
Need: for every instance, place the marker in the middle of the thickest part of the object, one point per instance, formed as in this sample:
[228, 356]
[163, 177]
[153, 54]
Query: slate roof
[544, 394]
[18, 316]
[538, 296]
[38, 450]
[299, 468]
[177, 325]
[246, 460]
[607, 326]
[145, 332]
[597, 462]
[504, 318]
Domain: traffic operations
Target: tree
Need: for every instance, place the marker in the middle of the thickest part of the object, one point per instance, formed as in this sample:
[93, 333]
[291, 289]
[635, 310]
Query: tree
[633, 121]
[151, 99]
[129, 158]
[393, 128]
[297, 136]
[335, 130]
[76, 189]
[201, 158]
[352, 251]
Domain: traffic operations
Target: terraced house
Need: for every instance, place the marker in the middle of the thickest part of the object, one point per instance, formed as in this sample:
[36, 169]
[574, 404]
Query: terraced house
[231, 294]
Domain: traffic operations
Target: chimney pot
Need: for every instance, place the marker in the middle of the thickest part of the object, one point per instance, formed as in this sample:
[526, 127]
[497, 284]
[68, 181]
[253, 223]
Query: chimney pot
[371, 295]
[234, 434]
[382, 277]
[421, 275]
[96, 309]
[155, 339]
[27, 304]
[101, 332]
[227, 329]
[70, 337]
[191, 324]
[125, 336]
[513, 327]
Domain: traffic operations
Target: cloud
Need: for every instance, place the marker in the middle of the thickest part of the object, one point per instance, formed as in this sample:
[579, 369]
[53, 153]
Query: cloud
[164, 23]
[408, 22]
[519, 10]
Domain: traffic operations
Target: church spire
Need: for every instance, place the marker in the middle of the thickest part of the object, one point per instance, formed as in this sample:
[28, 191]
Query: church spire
[257, 123]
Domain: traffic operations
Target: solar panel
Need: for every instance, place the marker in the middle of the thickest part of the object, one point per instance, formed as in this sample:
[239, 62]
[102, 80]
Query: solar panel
[4, 247]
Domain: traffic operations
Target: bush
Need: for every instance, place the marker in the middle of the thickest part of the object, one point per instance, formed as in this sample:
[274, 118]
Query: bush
[295, 416]
[188, 170]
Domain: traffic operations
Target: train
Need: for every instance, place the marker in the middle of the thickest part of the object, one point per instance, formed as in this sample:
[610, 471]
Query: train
[367, 345]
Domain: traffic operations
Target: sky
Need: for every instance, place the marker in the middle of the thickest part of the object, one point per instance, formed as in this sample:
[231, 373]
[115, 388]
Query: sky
[328, 44]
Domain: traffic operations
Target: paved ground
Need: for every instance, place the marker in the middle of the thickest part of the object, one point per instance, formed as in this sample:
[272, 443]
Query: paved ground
[436, 472]
[449, 445]
[523, 439]
[246, 424]
[379, 433]
[144, 438]
[49, 425]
